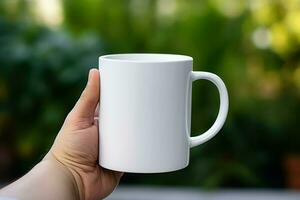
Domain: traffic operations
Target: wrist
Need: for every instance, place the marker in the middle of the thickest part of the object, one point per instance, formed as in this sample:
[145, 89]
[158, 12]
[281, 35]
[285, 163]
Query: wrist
[70, 176]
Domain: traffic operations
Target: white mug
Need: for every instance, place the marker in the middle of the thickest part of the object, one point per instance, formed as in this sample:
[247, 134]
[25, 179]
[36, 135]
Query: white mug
[145, 112]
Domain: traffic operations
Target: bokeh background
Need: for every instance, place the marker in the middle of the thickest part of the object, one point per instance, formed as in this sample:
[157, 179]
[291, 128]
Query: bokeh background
[48, 46]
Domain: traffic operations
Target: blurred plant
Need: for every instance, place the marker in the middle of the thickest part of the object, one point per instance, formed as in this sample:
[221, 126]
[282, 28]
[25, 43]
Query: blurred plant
[42, 73]
[252, 44]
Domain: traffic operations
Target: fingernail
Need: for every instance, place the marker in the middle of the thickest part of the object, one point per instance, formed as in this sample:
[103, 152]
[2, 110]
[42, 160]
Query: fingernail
[90, 75]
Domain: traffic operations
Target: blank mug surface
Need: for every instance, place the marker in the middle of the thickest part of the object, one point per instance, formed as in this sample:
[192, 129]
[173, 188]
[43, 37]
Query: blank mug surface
[145, 109]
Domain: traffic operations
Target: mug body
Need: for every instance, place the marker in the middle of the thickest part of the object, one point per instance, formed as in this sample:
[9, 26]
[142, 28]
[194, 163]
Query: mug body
[144, 116]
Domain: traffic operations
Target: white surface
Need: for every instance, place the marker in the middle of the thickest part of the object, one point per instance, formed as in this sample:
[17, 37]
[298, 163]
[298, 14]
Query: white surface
[145, 193]
[145, 109]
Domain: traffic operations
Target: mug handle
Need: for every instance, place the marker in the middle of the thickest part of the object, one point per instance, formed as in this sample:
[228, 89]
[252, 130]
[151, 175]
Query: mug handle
[223, 110]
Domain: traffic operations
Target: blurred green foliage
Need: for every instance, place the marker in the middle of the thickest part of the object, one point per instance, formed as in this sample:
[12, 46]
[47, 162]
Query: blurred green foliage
[42, 74]
[252, 45]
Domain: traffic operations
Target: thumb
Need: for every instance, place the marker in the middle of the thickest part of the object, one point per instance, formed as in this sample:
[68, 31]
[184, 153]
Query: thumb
[85, 107]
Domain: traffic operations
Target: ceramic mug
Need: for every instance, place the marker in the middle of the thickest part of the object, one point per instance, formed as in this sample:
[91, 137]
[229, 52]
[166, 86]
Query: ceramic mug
[145, 112]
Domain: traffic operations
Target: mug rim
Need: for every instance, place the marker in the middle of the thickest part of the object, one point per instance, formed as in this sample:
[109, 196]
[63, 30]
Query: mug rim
[146, 58]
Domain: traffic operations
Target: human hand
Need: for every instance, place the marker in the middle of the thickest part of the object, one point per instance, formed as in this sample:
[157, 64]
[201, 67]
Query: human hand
[76, 146]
